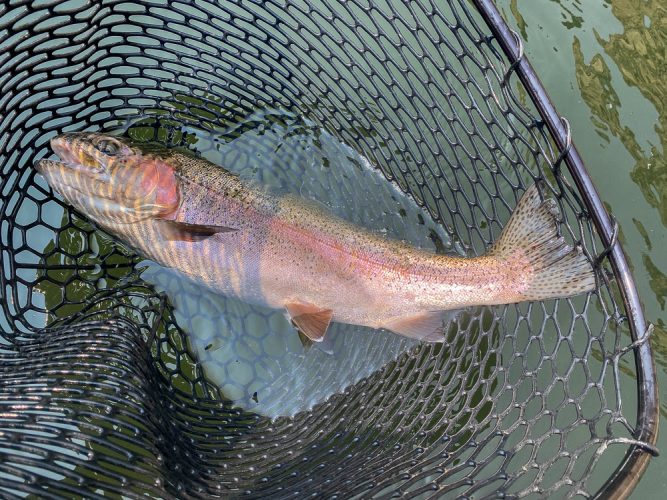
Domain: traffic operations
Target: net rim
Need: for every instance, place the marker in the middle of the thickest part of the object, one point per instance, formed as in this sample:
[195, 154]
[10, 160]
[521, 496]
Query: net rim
[624, 479]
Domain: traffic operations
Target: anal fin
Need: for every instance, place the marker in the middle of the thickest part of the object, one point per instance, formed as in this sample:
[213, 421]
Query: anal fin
[427, 326]
[309, 319]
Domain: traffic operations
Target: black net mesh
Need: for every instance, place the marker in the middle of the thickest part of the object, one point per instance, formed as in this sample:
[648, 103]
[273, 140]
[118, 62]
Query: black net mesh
[118, 377]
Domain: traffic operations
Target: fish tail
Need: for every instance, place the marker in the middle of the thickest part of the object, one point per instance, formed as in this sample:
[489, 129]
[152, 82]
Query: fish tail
[556, 269]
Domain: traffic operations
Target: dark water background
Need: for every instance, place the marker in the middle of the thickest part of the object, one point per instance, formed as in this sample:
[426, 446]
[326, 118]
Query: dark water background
[604, 63]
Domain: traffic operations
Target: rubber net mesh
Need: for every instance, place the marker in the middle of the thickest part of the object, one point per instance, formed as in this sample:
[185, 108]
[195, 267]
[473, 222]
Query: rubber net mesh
[119, 377]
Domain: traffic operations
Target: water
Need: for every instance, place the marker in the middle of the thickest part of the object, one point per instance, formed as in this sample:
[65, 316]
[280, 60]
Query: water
[253, 353]
[603, 64]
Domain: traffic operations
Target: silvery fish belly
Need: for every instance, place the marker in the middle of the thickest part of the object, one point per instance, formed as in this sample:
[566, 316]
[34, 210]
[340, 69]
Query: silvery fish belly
[284, 252]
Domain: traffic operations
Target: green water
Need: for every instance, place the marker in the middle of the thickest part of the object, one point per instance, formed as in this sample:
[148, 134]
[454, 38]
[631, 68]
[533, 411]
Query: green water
[604, 65]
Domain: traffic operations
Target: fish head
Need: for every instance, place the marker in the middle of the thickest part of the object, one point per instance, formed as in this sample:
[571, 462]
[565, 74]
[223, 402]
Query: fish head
[111, 179]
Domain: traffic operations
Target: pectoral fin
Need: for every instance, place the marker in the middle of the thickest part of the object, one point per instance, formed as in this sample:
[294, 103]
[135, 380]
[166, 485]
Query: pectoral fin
[427, 326]
[309, 319]
[182, 231]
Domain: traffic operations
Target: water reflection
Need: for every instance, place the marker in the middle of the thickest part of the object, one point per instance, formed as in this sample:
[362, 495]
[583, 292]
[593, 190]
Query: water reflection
[619, 50]
[658, 280]
[639, 54]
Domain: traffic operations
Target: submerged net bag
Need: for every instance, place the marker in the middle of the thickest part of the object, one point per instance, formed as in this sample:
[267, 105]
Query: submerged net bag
[117, 377]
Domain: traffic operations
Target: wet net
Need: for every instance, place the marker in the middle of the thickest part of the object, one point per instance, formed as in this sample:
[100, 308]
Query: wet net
[117, 377]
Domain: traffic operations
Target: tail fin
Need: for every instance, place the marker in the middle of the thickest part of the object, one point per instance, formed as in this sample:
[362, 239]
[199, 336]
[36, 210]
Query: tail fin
[558, 270]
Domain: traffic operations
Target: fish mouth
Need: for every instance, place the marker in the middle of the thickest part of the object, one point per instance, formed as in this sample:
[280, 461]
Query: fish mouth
[75, 161]
[78, 176]
[46, 166]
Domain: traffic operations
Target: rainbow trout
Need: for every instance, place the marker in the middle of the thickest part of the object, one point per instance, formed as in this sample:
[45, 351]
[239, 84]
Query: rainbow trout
[283, 252]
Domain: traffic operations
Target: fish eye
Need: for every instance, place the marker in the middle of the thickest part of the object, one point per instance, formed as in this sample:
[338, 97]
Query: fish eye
[108, 147]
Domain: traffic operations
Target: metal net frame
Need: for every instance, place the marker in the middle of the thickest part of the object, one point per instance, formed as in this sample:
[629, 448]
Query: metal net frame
[99, 394]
